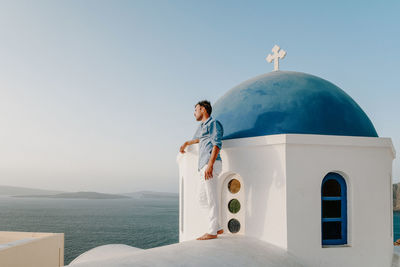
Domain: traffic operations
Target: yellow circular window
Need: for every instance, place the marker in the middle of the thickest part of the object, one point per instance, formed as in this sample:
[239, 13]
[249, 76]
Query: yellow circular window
[234, 186]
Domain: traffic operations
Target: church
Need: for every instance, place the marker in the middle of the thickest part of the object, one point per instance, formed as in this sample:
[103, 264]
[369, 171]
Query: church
[305, 181]
[303, 169]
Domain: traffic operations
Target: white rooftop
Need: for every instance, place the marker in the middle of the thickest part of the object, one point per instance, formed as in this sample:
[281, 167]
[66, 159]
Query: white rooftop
[226, 250]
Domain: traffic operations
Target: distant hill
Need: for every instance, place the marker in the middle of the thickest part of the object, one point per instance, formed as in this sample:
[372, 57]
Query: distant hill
[34, 192]
[152, 194]
[396, 197]
[79, 195]
[6, 190]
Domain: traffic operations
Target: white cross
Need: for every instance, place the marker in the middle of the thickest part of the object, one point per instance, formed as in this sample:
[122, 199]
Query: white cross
[276, 56]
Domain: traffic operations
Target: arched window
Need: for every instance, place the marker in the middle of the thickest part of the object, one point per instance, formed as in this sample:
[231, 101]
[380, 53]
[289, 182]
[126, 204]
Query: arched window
[232, 204]
[334, 210]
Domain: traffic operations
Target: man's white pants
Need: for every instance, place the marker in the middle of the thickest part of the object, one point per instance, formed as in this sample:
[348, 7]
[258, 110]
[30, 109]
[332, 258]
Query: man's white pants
[208, 196]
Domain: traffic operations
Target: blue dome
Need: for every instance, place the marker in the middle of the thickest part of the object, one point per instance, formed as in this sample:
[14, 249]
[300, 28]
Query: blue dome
[284, 102]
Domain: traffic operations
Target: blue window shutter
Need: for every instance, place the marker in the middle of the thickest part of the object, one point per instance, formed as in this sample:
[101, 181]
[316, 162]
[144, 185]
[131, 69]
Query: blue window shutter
[334, 210]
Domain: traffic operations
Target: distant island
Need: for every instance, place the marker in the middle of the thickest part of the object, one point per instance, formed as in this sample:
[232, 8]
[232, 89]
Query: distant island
[152, 194]
[6, 190]
[396, 197]
[79, 195]
[14, 191]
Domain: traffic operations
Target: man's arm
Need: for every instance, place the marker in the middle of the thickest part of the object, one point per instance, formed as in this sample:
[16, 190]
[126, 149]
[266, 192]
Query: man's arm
[210, 166]
[188, 143]
[216, 131]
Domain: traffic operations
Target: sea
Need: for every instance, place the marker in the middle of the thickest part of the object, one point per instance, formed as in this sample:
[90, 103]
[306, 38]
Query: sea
[88, 223]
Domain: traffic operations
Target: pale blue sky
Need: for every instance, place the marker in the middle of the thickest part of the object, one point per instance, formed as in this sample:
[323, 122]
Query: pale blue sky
[99, 95]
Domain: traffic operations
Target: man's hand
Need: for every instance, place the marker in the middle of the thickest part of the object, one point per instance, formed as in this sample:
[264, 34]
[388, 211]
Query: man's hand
[188, 143]
[182, 149]
[208, 172]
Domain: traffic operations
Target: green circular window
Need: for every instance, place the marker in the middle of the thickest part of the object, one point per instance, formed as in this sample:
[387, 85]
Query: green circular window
[234, 186]
[234, 205]
[234, 226]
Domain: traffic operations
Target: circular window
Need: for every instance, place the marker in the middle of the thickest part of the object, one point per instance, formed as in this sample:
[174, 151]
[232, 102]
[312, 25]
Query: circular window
[234, 226]
[234, 205]
[234, 186]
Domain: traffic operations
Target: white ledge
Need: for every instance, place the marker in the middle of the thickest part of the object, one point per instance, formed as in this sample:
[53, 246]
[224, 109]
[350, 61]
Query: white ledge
[302, 139]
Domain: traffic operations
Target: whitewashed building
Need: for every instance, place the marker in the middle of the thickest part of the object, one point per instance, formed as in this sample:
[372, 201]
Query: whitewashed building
[315, 179]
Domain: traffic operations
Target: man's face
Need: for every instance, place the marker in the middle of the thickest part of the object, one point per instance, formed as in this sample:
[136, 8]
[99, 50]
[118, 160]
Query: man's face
[198, 112]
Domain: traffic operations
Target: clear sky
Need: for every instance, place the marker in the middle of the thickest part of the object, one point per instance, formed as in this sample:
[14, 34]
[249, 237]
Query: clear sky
[99, 95]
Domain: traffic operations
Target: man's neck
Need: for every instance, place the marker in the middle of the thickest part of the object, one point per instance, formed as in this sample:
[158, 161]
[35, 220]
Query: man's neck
[205, 118]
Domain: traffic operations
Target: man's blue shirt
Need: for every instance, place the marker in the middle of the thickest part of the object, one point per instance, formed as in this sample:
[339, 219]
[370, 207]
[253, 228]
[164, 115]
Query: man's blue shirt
[210, 134]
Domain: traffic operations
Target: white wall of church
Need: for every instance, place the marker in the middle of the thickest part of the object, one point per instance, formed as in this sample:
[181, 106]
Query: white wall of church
[366, 165]
[282, 176]
[260, 162]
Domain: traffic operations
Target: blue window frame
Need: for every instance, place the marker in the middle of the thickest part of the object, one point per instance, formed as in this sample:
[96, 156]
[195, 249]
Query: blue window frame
[334, 210]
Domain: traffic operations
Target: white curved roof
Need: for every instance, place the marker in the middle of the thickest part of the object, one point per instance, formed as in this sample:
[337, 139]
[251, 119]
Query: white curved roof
[105, 252]
[226, 250]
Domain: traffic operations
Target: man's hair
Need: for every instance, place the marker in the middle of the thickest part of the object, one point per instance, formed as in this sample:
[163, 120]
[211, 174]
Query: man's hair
[206, 104]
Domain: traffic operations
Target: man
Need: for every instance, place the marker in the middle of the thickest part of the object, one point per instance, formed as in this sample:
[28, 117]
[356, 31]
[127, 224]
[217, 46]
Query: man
[209, 135]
